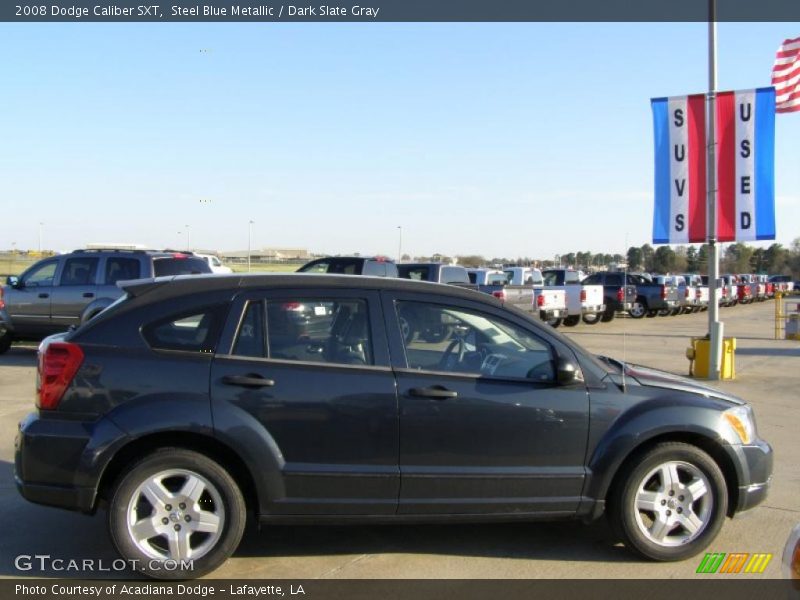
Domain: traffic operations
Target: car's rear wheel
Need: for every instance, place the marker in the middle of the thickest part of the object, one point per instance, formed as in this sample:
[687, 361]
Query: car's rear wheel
[572, 320]
[608, 316]
[670, 503]
[176, 514]
[555, 322]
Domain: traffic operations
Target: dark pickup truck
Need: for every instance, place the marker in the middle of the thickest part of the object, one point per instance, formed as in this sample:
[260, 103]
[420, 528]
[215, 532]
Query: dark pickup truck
[436, 273]
[617, 296]
[654, 297]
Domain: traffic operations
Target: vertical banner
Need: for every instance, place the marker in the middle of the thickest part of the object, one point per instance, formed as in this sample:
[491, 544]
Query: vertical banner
[746, 165]
[679, 126]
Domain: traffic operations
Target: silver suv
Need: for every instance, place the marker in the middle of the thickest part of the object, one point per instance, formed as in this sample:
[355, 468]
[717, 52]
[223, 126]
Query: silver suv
[59, 292]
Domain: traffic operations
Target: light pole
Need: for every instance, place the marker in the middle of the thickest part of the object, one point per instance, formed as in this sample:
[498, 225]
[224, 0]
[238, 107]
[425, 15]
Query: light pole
[188, 245]
[249, 242]
[40, 237]
[400, 243]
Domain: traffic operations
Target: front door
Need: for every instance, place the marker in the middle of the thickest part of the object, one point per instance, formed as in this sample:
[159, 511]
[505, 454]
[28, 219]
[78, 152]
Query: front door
[485, 428]
[28, 304]
[312, 371]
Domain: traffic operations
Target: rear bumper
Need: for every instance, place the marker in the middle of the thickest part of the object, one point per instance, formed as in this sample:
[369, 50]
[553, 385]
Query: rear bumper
[593, 309]
[56, 461]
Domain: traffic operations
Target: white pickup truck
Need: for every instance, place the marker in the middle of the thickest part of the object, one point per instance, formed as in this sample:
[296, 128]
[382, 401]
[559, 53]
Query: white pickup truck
[525, 288]
[582, 300]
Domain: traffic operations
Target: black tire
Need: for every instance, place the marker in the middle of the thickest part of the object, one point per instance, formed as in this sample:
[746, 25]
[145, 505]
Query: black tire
[220, 498]
[554, 322]
[643, 478]
[608, 316]
[652, 313]
[572, 320]
[5, 342]
[664, 312]
[592, 319]
[676, 311]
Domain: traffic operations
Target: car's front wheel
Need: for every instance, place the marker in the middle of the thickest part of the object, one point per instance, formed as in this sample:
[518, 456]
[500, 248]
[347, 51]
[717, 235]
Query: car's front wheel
[176, 514]
[670, 503]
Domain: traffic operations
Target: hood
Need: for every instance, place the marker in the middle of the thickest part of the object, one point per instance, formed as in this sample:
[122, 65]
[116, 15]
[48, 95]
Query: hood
[662, 379]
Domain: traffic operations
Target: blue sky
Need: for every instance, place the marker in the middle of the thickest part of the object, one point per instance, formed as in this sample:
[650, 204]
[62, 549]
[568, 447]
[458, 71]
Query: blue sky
[497, 139]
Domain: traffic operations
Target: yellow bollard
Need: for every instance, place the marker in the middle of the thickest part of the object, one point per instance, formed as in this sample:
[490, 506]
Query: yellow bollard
[702, 350]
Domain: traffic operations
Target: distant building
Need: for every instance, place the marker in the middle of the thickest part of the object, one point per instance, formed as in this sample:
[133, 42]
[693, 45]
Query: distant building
[267, 254]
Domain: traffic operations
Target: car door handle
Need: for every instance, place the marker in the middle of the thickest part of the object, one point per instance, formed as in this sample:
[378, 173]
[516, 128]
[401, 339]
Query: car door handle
[248, 380]
[437, 391]
[88, 294]
[43, 295]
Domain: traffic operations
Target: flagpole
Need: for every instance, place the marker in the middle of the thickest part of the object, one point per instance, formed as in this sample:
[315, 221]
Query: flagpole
[715, 327]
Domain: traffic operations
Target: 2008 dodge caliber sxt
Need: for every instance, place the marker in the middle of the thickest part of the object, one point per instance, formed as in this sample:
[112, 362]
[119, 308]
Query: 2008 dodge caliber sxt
[194, 401]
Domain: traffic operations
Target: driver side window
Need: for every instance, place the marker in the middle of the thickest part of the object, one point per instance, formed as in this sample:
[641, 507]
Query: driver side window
[448, 338]
[41, 276]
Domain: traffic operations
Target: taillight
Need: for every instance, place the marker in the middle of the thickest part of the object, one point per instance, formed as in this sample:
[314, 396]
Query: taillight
[724, 291]
[500, 294]
[698, 294]
[583, 295]
[686, 293]
[663, 292]
[621, 294]
[294, 306]
[540, 300]
[2, 302]
[57, 366]
[180, 255]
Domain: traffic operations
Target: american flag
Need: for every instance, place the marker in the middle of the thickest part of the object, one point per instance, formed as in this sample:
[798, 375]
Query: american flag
[786, 76]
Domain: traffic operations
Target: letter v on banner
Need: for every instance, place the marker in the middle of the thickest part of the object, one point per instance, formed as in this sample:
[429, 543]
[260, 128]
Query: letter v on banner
[745, 122]
[679, 124]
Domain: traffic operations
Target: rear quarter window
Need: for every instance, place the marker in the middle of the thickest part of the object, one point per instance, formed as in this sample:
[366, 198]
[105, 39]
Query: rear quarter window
[179, 266]
[196, 330]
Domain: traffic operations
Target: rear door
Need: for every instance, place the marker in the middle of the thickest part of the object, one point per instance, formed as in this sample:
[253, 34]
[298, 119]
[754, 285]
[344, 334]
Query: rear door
[485, 429]
[311, 371]
[77, 287]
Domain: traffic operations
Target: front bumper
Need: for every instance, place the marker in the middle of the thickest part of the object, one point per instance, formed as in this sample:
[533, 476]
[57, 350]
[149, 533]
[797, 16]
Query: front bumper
[754, 470]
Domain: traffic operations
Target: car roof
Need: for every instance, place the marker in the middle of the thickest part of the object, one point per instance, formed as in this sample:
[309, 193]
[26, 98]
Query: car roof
[159, 288]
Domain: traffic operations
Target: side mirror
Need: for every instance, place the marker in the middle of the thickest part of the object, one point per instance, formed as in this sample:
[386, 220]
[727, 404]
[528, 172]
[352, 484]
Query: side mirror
[13, 282]
[568, 372]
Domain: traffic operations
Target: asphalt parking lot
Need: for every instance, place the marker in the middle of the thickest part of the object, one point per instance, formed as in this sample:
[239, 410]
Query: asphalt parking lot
[767, 376]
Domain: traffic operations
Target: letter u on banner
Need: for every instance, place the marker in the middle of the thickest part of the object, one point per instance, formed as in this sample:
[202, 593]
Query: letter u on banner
[746, 165]
[679, 126]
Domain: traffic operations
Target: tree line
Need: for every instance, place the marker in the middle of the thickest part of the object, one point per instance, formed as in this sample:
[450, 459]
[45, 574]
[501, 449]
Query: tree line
[735, 258]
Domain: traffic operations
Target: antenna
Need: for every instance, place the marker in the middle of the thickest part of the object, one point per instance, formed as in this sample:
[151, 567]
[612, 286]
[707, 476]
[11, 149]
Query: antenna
[624, 321]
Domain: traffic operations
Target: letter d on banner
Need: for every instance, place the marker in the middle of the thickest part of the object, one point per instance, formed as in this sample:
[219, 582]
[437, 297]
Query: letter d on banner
[679, 125]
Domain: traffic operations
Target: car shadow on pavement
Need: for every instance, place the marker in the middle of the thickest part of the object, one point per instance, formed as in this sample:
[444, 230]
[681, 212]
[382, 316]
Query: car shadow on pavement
[562, 541]
[19, 356]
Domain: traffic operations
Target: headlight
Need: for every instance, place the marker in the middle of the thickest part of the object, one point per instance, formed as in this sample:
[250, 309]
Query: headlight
[791, 555]
[739, 425]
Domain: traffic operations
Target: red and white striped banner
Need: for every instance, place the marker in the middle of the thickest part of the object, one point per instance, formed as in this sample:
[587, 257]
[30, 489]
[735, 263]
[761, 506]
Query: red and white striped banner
[786, 76]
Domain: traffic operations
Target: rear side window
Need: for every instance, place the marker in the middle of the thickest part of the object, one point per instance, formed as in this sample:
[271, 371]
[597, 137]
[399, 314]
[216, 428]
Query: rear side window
[454, 275]
[339, 267]
[250, 337]
[190, 331]
[121, 269]
[79, 271]
[415, 273]
[320, 330]
[190, 265]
